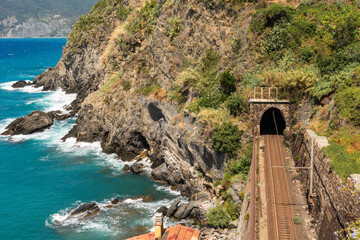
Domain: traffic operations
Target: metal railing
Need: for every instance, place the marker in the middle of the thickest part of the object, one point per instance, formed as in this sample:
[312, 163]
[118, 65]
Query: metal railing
[266, 93]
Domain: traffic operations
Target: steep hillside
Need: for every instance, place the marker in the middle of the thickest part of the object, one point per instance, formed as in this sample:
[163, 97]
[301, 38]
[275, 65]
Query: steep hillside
[45, 18]
[174, 78]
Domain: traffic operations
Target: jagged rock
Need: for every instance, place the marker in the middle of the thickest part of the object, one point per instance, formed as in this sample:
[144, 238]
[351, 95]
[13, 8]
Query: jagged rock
[189, 207]
[115, 201]
[58, 115]
[36, 121]
[126, 168]
[162, 210]
[173, 208]
[88, 208]
[180, 211]
[136, 168]
[147, 198]
[21, 84]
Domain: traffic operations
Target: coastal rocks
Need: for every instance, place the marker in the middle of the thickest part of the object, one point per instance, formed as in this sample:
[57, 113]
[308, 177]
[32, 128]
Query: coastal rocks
[21, 84]
[126, 168]
[180, 211]
[36, 121]
[136, 168]
[86, 209]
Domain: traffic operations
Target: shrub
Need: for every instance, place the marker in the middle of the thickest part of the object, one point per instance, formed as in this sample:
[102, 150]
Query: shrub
[342, 163]
[210, 60]
[268, 17]
[218, 217]
[232, 209]
[174, 27]
[126, 85]
[227, 82]
[211, 98]
[237, 104]
[226, 139]
[297, 220]
[344, 33]
[348, 101]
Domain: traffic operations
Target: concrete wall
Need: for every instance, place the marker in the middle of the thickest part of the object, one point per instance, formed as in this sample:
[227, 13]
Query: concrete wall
[335, 203]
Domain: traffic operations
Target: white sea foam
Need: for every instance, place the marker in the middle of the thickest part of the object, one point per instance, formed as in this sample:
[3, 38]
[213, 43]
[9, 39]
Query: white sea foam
[168, 190]
[29, 89]
[57, 100]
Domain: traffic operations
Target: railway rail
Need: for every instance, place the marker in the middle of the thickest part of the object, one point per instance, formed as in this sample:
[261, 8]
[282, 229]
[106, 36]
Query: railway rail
[279, 204]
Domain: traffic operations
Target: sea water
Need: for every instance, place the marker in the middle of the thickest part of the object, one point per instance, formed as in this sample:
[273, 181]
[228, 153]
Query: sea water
[43, 178]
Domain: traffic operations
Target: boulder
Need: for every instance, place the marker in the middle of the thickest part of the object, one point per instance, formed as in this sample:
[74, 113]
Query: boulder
[88, 209]
[136, 168]
[36, 121]
[180, 211]
[115, 201]
[126, 168]
[173, 208]
[162, 210]
[190, 206]
[147, 198]
[21, 84]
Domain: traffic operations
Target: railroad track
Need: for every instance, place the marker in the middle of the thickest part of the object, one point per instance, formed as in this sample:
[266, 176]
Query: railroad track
[279, 204]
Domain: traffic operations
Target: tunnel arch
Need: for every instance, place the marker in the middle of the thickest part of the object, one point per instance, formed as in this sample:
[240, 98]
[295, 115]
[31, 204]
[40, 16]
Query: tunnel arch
[272, 122]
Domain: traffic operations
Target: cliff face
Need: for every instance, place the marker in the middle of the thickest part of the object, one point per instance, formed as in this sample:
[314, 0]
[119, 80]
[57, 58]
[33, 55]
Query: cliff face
[47, 18]
[124, 67]
[54, 27]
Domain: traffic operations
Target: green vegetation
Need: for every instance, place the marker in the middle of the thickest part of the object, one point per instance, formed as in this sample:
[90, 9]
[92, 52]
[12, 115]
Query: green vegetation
[218, 217]
[313, 51]
[95, 20]
[226, 139]
[237, 104]
[297, 220]
[174, 28]
[342, 163]
[145, 19]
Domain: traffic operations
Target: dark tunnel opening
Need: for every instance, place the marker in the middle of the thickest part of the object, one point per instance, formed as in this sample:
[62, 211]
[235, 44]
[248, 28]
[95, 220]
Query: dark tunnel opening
[272, 122]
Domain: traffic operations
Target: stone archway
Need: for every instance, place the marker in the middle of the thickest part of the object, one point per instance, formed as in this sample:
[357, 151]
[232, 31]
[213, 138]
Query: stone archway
[258, 107]
[272, 122]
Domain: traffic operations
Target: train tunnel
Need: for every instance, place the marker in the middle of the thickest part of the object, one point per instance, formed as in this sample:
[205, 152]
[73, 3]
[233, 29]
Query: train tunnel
[272, 122]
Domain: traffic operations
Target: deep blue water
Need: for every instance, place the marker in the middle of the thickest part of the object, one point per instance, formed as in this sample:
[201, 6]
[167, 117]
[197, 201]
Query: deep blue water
[42, 178]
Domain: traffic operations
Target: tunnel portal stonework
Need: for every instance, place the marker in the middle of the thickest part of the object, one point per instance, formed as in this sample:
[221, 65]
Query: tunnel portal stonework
[259, 106]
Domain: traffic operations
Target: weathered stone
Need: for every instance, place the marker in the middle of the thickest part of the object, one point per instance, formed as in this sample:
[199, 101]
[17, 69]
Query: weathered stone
[180, 211]
[162, 210]
[126, 168]
[21, 84]
[136, 168]
[147, 198]
[87, 208]
[36, 121]
[173, 208]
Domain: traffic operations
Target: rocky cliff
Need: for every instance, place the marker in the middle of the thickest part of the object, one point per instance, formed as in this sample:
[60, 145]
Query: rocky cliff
[48, 18]
[124, 65]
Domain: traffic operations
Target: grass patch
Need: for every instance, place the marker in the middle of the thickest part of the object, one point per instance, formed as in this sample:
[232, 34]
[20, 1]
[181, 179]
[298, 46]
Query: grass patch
[342, 163]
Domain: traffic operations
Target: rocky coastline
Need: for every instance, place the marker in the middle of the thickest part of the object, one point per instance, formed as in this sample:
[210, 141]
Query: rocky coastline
[130, 123]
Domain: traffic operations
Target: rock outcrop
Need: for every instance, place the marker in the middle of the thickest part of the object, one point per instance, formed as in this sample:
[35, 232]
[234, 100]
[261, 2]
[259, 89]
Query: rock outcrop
[123, 81]
[36, 121]
[88, 209]
[21, 84]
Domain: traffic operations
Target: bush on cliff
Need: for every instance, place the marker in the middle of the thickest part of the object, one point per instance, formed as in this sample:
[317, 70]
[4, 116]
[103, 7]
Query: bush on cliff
[218, 217]
[226, 139]
[237, 104]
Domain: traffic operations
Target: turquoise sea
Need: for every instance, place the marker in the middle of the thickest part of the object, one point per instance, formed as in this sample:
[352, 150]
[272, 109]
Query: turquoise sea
[42, 178]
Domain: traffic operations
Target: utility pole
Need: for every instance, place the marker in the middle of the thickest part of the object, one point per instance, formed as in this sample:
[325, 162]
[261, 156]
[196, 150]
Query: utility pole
[312, 166]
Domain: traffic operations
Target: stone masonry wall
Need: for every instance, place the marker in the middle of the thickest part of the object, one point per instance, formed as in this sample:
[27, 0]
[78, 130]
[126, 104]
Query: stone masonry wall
[334, 203]
[257, 110]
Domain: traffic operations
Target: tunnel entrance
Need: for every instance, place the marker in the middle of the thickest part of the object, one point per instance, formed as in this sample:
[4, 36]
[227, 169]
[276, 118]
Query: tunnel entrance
[272, 122]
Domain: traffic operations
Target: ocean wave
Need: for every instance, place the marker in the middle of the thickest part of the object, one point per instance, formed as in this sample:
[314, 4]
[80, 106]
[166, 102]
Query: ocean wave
[28, 89]
[110, 219]
[53, 101]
